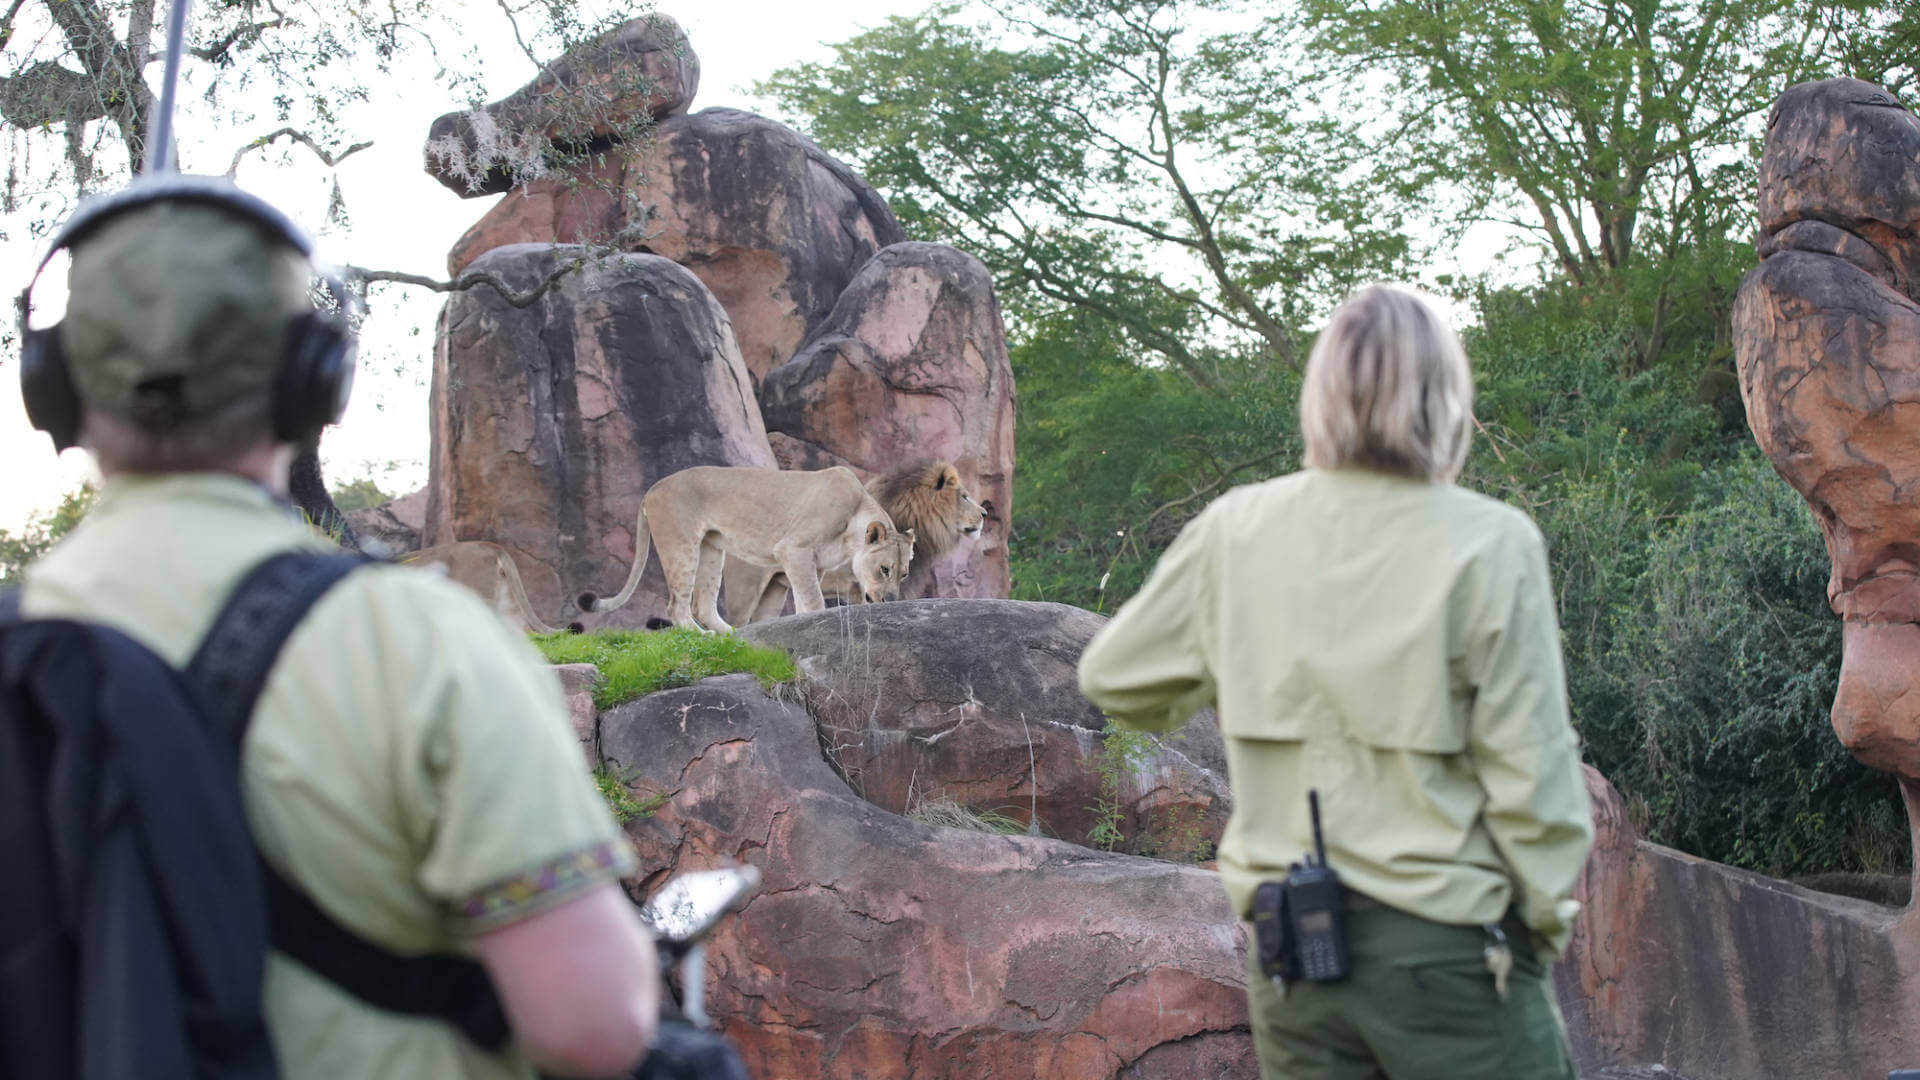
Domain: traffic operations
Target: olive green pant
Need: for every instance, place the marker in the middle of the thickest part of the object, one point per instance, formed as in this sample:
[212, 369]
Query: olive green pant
[1419, 1004]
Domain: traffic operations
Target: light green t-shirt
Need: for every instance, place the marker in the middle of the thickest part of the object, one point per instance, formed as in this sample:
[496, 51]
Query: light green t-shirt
[1390, 643]
[410, 765]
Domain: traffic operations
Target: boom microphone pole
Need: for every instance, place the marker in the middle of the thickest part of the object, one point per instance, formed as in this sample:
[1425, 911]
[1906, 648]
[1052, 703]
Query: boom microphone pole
[160, 155]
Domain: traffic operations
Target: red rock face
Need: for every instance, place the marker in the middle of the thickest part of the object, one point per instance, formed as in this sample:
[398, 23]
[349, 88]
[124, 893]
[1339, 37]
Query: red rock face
[643, 69]
[772, 224]
[912, 363]
[878, 948]
[977, 701]
[551, 421]
[1715, 972]
[1827, 337]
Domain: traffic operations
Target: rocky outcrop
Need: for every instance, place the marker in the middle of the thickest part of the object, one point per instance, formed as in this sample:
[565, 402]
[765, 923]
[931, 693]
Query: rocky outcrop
[773, 225]
[911, 364]
[551, 420]
[1827, 338]
[607, 89]
[392, 528]
[878, 947]
[1722, 974]
[976, 701]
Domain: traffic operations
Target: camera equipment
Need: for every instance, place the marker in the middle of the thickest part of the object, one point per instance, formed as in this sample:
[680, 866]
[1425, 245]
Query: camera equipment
[1313, 905]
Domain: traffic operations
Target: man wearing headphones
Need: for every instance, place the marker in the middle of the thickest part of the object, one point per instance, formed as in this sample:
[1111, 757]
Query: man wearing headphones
[409, 767]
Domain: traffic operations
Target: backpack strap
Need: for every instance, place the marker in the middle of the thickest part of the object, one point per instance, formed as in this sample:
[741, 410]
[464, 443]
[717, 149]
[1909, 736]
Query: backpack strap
[230, 667]
[228, 672]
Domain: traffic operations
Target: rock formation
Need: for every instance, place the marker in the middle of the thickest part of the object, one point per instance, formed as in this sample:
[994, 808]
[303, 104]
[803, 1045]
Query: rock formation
[977, 701]
[393, 527]
[911, 363]
[904, 356]
[880, 948]
[551, 420]
[1724, 974]
[773, 225]
[1827, 336]
[644, 69]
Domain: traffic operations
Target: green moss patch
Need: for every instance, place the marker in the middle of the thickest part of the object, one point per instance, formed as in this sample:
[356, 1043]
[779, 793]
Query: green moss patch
[635, 663]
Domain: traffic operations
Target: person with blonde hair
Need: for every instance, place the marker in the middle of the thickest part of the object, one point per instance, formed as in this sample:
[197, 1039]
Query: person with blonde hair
[1374, 634]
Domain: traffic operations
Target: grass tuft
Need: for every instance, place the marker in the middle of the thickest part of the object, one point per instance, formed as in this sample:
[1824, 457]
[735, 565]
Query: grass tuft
[635, 663]
[946, 813]
[620, 798]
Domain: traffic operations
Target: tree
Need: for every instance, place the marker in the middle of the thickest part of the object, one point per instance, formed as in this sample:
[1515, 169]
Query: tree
[1108, 155]
[1621, 133]
[75, 73]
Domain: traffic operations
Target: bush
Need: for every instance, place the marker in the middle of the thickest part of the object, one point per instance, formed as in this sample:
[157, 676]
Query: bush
[358, 495]
[1725, 661]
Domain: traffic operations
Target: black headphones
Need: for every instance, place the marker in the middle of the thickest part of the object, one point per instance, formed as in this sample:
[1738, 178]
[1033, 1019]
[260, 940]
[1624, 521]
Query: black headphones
[315, 377]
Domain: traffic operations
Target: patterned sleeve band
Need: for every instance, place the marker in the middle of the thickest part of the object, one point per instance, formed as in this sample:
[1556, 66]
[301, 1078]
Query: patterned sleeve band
[544, 886]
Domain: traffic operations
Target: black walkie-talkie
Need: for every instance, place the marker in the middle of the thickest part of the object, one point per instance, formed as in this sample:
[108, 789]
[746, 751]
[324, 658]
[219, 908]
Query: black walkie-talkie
[1315, 910]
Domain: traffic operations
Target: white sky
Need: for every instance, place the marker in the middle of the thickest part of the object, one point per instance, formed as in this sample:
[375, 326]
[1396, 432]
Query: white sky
[402, 219]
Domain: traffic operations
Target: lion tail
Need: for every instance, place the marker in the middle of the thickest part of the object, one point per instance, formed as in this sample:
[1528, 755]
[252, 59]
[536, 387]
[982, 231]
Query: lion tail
[518, 591]
[642, 547]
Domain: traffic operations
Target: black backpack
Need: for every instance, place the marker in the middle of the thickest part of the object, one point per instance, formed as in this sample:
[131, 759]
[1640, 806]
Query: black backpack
[137, 913]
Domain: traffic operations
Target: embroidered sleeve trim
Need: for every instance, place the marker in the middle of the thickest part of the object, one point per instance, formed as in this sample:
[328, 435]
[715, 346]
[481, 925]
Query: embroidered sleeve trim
[536, 888]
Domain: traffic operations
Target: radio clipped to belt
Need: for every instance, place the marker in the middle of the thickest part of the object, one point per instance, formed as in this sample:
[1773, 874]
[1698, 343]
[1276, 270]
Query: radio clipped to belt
[1299, 924]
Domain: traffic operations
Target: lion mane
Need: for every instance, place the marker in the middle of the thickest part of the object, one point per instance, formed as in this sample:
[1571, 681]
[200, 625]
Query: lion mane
[929, 498]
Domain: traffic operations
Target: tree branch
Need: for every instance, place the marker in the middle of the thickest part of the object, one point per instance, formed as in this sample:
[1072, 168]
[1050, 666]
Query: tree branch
[330, 160]
[473, 279]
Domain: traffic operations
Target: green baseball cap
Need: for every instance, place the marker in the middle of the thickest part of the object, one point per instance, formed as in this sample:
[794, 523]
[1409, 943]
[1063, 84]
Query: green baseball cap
[182, 294]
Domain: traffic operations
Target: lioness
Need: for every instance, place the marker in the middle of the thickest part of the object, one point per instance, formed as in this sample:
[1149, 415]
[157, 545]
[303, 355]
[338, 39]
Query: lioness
[487, 569]
[927, 499]
[796, 522]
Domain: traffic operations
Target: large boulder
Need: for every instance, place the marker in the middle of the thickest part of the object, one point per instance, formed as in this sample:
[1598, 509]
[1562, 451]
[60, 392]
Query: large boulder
[976, 702]
[552, 420]
[1827, 338]
[773, 225]
[606, 90]
[1724, 974]
[391, 528]
[878, 947]
[910, 364]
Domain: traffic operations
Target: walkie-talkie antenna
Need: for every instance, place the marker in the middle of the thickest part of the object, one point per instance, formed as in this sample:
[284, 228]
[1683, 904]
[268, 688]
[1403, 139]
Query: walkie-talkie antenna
[1319, 843]
[160, 156]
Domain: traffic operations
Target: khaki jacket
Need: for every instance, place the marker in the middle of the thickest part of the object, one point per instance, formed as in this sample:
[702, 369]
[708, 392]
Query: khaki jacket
[1392, 644]
[410, 765]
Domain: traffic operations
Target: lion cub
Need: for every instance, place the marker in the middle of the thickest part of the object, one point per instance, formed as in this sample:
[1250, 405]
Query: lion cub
[797, 522]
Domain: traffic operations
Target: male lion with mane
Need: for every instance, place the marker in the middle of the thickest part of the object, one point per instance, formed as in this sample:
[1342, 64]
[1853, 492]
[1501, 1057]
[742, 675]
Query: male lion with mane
[927, 499]
[798, 523]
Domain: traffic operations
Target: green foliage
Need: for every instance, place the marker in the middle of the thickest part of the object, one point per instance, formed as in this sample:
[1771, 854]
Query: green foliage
[633, 664]
[1725, 659]
[1115, 455]
[41, 532]
[617, 789]
[1122, 752]
[1606, 127]
[1110, 156]
[359, 495]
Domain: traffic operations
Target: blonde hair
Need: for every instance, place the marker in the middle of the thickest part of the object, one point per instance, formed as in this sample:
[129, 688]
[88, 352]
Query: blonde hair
[1387, 386]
